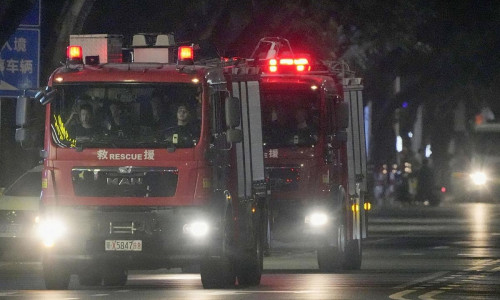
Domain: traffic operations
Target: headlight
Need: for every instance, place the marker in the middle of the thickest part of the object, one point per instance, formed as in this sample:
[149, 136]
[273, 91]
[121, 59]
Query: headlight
[49, 231]
[316, 219]
[196, 228]
[478, 178]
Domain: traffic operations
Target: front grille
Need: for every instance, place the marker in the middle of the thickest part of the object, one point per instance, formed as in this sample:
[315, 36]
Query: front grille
[283, 178]
[17, 216]
[124, 182]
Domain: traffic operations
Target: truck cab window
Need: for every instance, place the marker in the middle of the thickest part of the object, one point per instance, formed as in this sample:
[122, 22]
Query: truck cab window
[290, 117]
[125, 116]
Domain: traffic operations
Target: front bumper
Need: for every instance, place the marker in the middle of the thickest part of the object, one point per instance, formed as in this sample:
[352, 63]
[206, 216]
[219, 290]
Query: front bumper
[161, 232]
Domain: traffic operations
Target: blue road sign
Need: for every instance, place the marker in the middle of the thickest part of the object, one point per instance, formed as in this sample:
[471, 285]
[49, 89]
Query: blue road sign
[20, 62]
[33, 16]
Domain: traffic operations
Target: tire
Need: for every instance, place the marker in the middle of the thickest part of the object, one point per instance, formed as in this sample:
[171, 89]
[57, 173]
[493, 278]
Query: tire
[56, 277]
[353, 255]
[218, 272]
[250, 269]
[114, 277]
[331, 259]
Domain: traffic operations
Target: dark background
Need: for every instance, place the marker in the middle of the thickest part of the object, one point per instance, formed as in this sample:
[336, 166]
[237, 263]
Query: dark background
[443, 51]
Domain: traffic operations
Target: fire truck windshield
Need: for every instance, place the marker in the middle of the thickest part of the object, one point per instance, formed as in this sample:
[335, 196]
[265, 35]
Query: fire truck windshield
[126, 115]
[290, 117]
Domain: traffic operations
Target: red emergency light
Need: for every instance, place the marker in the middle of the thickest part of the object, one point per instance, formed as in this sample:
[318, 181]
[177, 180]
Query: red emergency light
[74, 54]
[185, 53]
[273, 65]
[301, 64]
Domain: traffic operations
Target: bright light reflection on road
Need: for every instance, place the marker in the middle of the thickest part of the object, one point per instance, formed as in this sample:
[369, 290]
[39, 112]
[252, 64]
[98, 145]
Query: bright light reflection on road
[479, 217]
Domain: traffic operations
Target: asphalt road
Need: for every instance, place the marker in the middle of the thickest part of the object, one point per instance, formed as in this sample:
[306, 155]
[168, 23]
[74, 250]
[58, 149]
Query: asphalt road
[448, 252]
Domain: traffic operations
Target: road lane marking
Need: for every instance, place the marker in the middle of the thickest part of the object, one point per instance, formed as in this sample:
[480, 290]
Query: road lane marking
[226, 293]
[400, 295]
[412, 254]
[7, 294]
[441, 247]
[429, 295]
[420, 280]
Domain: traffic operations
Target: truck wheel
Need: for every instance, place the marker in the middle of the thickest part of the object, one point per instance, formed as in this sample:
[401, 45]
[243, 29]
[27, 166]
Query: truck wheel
[219, 272]
[114, 277]
[353, 255]
[331, 259]
[250, 269]
[56, 276]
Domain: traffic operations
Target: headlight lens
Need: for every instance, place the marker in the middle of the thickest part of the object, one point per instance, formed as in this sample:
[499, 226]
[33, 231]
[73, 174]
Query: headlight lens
[49, 231]
[316, 219]
[196, 228]
[478, 178]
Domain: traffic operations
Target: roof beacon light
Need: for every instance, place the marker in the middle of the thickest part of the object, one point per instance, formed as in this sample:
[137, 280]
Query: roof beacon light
[301, 64]
[185, 55]
[286, 61]
[74, 54]
[273, 65]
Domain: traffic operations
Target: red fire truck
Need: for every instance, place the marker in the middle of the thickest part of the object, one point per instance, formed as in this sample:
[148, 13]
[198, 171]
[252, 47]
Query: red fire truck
[153, 163]
[314, 152]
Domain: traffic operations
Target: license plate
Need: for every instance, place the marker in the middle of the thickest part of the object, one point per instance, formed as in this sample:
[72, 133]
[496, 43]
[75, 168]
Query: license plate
[123, 245]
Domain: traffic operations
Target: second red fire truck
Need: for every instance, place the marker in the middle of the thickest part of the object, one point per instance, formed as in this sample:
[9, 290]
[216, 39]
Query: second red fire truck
[315, 156]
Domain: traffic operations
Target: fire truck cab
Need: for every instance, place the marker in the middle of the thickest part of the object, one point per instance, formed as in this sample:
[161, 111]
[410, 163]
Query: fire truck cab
[152, 163]
[314, 152]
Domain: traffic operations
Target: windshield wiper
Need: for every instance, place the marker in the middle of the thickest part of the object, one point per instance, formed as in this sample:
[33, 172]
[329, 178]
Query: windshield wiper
[87, 142]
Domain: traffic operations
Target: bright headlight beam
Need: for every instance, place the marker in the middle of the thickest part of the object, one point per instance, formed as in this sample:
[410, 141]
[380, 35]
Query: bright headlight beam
[478, 178]
[197, 228]
[50, 231]
[317, 219]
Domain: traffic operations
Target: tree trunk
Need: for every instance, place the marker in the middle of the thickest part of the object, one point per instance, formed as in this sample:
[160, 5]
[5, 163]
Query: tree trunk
[70, 21]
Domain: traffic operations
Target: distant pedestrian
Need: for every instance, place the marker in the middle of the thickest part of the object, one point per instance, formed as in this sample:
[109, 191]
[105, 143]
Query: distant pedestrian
[426, 184]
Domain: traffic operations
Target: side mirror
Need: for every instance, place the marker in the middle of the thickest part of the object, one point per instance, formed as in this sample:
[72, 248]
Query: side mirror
[46, 95]
[342, 115]
[233, 112]
[234, 135]
[22, 111]
[21, 135]
[26, 138]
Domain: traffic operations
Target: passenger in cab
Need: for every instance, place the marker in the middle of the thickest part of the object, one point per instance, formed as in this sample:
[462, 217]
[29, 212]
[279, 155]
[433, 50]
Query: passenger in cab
[86, 126]
[116, 121]
[186, 132]
[304, 133]
[276, 127]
